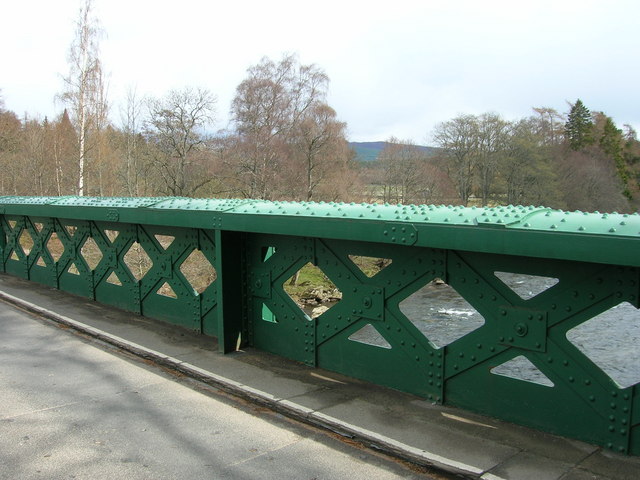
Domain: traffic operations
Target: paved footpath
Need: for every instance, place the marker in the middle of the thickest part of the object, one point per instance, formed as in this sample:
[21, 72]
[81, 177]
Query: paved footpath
[70, 408]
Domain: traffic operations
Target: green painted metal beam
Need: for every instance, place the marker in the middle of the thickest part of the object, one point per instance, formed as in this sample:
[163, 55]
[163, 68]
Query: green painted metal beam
[525, 231]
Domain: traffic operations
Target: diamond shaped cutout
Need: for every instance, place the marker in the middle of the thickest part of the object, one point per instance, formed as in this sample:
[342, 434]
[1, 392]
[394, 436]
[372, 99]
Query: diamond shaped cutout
[55, 247]
[198, 271]
[521, 368]
[113, 279]
[610, 340]
[526, 286]
[441, 313]
[138, 261]
[310, 288]
[370, 335]
[166, 291]
[26, 242]
[91, 253]
[370, 266]
[165, 241]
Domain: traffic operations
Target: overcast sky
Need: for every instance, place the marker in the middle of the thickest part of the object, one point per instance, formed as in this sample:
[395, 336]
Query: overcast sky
[396, 68]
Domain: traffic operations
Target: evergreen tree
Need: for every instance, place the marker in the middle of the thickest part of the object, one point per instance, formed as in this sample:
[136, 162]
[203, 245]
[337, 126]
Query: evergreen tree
[579, 126]
[611, 140]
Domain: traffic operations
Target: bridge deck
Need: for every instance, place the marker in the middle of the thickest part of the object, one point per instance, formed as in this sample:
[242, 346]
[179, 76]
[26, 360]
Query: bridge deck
[70, 409]
[90, 392]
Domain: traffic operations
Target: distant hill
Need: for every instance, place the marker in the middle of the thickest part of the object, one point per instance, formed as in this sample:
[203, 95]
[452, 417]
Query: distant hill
[369, 151]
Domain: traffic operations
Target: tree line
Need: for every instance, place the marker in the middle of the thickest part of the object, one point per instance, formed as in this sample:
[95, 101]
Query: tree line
[578, 160]
[285, 142]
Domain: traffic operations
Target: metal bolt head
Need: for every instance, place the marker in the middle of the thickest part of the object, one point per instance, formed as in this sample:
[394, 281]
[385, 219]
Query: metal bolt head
[367, 302]
[521, 329]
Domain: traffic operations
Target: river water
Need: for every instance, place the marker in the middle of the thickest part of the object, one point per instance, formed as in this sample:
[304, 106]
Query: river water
[611, 340]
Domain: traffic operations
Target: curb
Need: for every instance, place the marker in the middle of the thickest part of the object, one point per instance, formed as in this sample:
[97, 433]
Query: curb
[280, 405]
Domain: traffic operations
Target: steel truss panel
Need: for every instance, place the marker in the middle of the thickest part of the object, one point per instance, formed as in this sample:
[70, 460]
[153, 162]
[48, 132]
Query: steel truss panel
[138, 254]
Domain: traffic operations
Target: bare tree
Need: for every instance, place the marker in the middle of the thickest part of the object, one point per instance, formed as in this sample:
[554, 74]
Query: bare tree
[269, 104]
[176, 127]
[63, 148]
[550, 125]
[10, 146]
[590, 183]
[527, 173]
[35, 152]
[492, 132]
[458, 140]
[402, 164]
[320, 138]
[99, 110]
[131, 130]
[84, 91]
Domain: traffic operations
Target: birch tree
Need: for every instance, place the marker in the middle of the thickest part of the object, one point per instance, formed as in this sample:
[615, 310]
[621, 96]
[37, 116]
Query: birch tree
[84, 86]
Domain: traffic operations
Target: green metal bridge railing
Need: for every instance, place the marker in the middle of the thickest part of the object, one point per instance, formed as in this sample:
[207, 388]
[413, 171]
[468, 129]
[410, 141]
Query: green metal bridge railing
[140, 254]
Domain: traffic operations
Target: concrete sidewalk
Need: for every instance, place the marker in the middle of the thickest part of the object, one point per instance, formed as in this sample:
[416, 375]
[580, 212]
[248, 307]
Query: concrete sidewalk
[73, 407]
[408, 426]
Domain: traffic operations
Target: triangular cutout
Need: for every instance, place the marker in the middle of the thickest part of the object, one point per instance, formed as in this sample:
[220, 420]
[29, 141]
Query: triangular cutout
[369, 335]
[526, 286]
[12, 224]
[165, 241]
[40, 262]
[73, 270]
[14, 256]
[38, 226]
[114, 279]
[521, 368]
[112, 235]
[71, 229]
[267, 253]
[166, 291]
[268, 315]
[370, 266]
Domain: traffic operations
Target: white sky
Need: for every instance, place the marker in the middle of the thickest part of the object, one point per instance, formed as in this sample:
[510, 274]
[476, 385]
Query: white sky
[396, 68]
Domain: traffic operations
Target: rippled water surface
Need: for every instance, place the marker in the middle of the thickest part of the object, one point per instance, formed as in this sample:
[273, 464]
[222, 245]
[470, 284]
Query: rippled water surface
[611, 340]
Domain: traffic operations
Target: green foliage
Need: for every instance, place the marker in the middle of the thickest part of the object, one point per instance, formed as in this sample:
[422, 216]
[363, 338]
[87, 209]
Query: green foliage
[611, 140]
[579, 126]
[310, 279]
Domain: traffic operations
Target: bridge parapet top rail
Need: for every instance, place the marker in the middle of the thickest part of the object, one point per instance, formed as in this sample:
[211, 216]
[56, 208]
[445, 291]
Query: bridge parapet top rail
[513, 230]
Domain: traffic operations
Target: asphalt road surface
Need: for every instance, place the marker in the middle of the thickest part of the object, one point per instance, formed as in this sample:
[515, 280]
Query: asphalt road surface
[71, 408]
